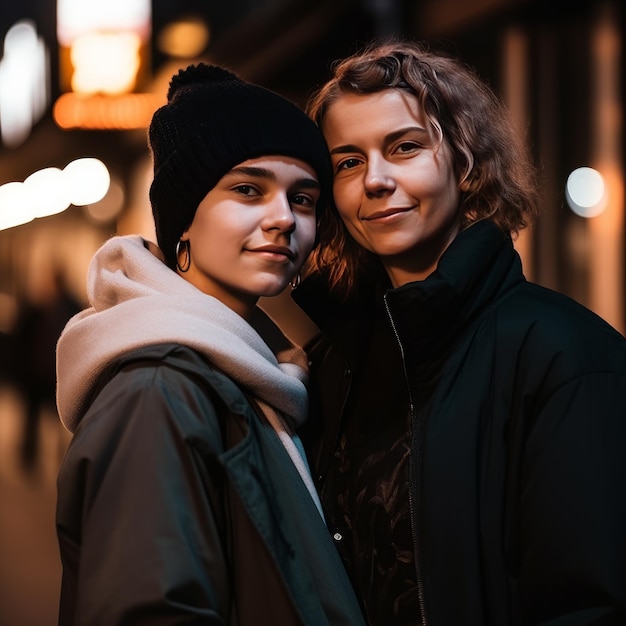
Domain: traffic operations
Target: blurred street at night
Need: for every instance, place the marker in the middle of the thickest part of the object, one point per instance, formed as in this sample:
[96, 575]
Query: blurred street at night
[558, 66]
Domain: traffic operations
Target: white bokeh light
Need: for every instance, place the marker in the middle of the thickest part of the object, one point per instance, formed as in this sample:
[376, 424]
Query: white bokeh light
[47, 192]
[87, 179]
[76, 17]
[14, 208]
[83, 182]
[24, 82]
[585, 192]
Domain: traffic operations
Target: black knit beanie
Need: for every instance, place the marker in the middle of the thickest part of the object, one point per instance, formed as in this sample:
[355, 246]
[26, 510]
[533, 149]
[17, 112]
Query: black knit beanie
[213, 120]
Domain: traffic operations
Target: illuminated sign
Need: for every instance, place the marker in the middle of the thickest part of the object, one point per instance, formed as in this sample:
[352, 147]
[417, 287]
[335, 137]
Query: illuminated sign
[104, 59]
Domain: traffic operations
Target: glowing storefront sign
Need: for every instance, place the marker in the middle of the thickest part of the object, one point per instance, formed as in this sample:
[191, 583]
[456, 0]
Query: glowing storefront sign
[104, 59]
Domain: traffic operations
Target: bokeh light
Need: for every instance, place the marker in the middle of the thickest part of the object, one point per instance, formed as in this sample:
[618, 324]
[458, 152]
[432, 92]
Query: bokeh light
[14, 208]
[585, 192]
[88, 180]
[47, 193]
[51, 190]
[185, 38]
[105, 62]
[24, 82]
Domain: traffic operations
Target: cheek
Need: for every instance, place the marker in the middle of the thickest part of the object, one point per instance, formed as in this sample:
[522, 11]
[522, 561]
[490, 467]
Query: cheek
[349, 218]
[453, 195]
[306, 231]
[357, 234]
[205, 223]
[345, 199]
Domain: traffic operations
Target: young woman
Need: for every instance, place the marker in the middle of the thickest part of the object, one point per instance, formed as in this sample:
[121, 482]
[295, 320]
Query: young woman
[467, 426]
[185, 496]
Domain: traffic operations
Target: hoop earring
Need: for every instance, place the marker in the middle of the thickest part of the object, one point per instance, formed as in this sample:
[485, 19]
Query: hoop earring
[294, 283]
[187, 249]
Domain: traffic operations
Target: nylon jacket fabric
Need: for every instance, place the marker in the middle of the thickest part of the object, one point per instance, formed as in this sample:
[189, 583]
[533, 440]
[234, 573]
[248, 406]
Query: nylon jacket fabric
[518, 470]
[178, 505]
[178, 501]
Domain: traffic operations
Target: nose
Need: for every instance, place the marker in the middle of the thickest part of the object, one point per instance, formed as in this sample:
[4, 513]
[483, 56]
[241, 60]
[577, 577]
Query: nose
[378, 179]
[278, 214]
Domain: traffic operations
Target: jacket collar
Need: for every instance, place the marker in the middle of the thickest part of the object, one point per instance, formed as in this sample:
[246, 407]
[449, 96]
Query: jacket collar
[478, 268]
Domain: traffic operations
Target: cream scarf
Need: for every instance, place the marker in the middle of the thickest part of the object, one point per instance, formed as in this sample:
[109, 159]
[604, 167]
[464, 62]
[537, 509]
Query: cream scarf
[137, 301]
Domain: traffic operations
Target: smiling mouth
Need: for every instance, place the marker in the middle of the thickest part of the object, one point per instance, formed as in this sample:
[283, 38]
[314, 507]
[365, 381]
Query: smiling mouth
[386, 213]
[278, 252]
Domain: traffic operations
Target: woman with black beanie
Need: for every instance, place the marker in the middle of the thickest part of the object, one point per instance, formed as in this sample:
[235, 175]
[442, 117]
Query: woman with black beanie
[185, 496]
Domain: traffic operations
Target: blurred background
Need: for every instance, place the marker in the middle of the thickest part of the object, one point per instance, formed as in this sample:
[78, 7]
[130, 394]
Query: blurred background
[79, 81]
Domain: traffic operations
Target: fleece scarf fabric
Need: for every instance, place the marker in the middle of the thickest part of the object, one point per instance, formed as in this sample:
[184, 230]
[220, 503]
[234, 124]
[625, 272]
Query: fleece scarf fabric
[137, 301]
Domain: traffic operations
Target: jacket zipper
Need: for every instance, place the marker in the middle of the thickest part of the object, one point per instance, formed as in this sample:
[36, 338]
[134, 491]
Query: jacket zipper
[412, 478]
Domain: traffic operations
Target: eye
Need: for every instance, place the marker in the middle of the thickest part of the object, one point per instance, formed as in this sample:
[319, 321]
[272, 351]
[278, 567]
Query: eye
[304, 200]
[247, 190]
[348, 164]
[408, 147]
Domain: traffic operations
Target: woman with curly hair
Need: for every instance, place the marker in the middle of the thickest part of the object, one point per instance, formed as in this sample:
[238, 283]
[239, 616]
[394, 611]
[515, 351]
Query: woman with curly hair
[467, 425]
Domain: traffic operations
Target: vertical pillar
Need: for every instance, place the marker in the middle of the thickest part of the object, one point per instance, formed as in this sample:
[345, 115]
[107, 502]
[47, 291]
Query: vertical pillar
[515, 91]
[606, 231]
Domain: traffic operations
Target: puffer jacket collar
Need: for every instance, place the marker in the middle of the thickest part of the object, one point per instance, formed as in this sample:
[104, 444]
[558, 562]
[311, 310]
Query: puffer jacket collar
[474, 273]
[479, 267]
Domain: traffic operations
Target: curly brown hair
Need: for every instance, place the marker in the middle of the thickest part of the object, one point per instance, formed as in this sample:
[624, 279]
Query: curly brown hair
[490, 160]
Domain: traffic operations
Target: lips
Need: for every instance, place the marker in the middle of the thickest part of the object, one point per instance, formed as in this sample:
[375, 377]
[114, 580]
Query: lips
[384, 213]
[274, 249]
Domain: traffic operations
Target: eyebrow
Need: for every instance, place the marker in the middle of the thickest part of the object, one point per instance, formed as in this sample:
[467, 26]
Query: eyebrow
[392, 136]
[262, 172]
[345, 149]
[257, 172]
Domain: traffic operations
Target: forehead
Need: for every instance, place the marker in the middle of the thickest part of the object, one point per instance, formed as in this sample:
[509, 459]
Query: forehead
[367, 114]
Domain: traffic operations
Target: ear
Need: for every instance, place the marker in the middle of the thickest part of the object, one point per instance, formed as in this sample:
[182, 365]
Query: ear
[465, 185]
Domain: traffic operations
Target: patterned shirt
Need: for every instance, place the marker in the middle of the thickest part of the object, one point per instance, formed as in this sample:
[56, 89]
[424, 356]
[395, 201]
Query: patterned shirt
[370, 487]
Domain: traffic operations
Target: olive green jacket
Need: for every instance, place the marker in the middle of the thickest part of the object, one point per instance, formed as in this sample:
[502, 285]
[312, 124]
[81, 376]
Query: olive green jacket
[179, 505]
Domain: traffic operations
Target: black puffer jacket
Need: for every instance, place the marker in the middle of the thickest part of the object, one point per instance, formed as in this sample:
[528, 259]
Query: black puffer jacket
[518, 406]
[217, 526]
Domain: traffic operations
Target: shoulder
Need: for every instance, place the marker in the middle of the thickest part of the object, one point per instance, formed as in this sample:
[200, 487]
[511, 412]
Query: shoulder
[547, 327]
[167, 367]
[163, 386]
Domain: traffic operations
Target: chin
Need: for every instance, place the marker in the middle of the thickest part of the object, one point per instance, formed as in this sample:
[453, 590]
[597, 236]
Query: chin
[273, 290]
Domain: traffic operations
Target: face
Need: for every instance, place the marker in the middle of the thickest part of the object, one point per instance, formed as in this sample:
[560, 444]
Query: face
[252, 232]
[394, 182]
